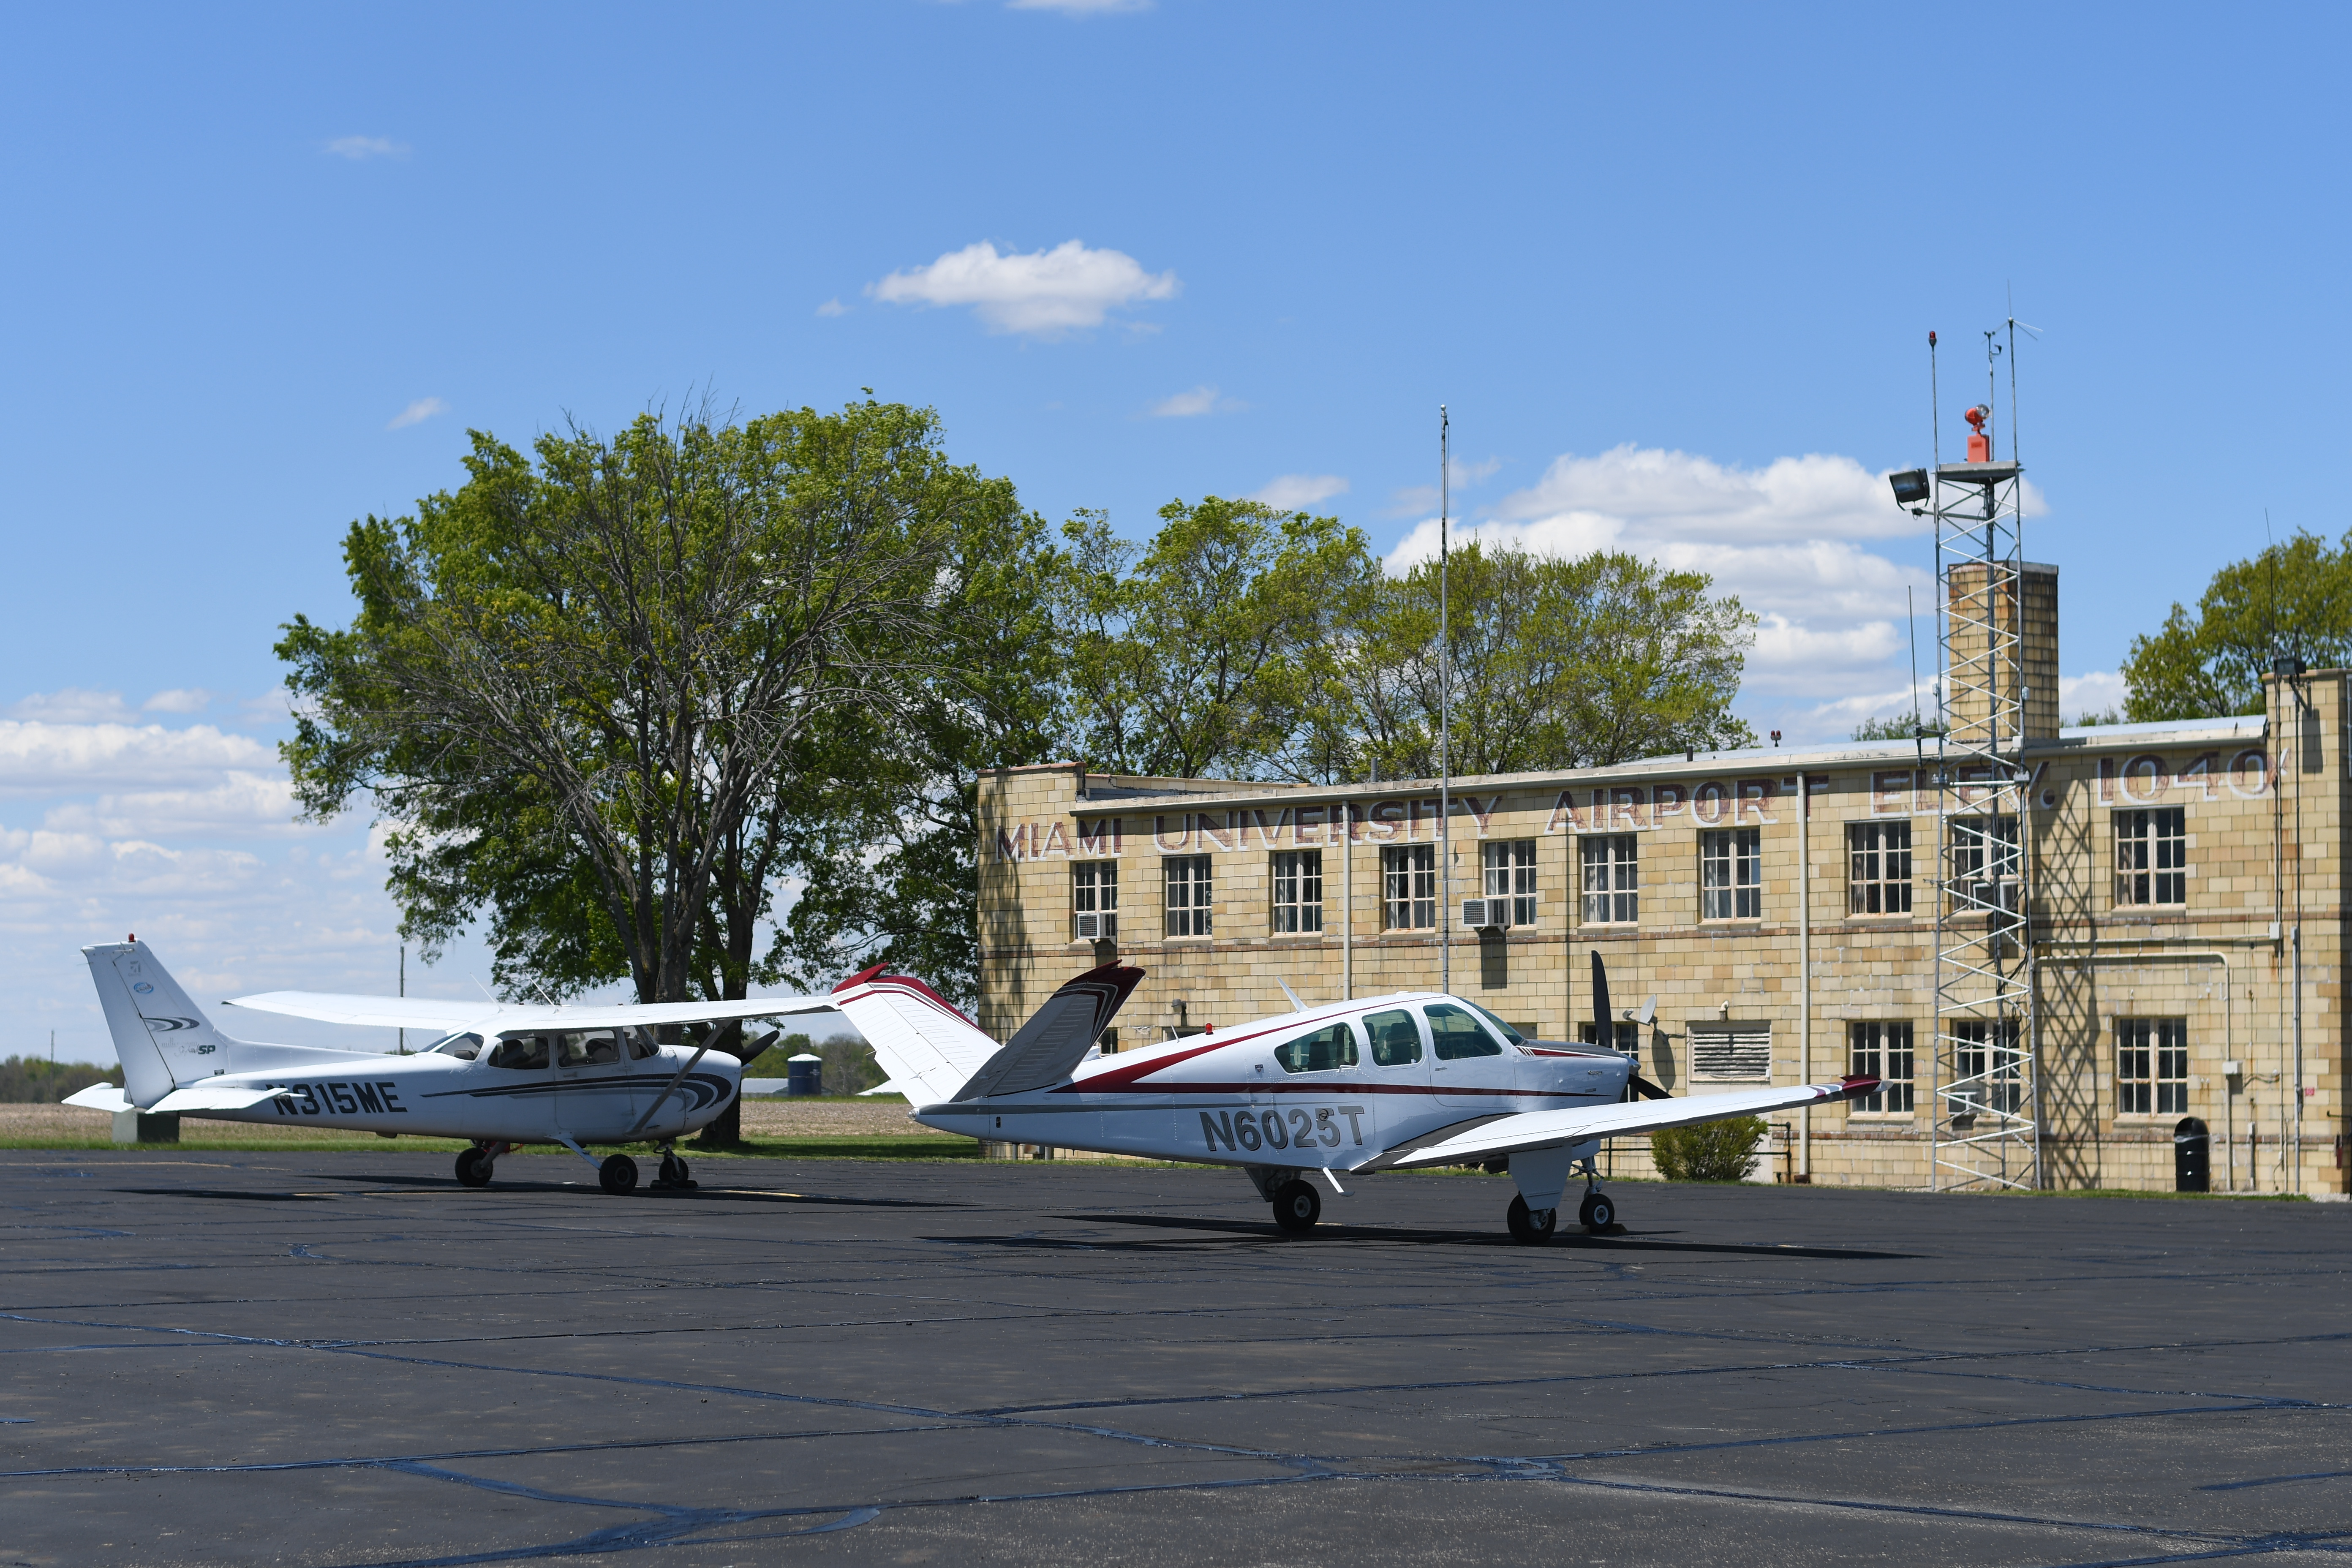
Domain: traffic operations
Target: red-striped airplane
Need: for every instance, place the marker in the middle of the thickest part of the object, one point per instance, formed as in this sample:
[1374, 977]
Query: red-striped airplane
[1385, 1083]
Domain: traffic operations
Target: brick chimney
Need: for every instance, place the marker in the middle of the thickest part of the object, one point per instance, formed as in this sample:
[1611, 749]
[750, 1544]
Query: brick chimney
[2024, 601]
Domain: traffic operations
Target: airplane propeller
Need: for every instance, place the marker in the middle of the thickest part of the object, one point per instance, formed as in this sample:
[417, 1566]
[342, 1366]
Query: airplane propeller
[1604, 1031]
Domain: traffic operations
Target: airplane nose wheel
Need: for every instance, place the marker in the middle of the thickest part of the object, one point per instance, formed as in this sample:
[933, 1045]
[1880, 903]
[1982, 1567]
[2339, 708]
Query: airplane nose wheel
[618, 1175]
[473, 1169]
[674, 1177]
[1531, 1225]
[1296, 1207]
[1598, 1212]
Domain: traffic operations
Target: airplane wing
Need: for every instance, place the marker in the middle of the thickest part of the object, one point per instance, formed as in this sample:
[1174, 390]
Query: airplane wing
[1056, 1037]
[381, 1011]
[1554, 1129]
[427, 1012]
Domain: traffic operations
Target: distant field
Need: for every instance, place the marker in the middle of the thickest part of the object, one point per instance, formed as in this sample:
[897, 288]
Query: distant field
[831, 1128]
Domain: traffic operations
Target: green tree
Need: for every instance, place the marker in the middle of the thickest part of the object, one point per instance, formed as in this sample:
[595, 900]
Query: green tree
[1555, 663]
[1213, 648]
[2295, 599]
[890, 867]
[582, 689]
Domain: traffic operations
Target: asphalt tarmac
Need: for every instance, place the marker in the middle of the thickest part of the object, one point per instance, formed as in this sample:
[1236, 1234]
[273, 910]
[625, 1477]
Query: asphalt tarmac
[345, 1358]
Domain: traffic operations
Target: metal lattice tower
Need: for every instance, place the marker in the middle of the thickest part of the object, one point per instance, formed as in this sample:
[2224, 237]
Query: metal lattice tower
[1984, 1113]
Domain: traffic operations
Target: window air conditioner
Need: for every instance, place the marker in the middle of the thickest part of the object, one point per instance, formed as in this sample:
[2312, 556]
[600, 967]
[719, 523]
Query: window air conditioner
[1482, 914]
[1097, 927]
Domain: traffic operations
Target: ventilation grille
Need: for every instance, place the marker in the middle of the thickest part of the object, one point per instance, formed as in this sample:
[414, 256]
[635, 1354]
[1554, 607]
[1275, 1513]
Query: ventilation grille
[1731, 1052]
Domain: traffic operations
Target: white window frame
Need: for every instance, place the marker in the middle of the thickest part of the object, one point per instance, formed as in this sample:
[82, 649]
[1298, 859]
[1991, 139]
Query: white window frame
[1409, 887]
[2151, 862]
[2151, 1067]
[1613, 877]
[1731, 874]
[1871, 874]
[1510, 874]
[1887, 1051]
[1094, 891]
[1296, 876]
[1191, 887]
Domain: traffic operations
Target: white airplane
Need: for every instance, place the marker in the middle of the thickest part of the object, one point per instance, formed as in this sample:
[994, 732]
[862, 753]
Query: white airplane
[501, 1074]
[1386, 1083]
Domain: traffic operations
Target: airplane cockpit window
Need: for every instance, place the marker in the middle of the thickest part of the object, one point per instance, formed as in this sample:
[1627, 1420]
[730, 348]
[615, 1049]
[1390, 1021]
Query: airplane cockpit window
[641, 1045]
[465, 1048]
[1396, 1042]
[1500, 1027]
[524, 1053]
[596, 1047]
[1457, 1033]
[1325, 1049]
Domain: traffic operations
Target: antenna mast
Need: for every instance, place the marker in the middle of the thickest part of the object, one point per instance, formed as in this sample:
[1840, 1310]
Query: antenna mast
[1984, 1124]
[1445, 710]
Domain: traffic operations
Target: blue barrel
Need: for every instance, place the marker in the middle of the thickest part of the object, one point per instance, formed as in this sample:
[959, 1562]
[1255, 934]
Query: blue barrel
[804, 1074]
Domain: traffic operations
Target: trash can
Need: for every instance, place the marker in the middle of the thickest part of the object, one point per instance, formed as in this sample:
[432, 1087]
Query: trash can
[804, 1074]
[2192, 1156]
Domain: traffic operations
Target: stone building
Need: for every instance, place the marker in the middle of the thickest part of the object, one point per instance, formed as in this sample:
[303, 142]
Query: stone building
[2185, 922]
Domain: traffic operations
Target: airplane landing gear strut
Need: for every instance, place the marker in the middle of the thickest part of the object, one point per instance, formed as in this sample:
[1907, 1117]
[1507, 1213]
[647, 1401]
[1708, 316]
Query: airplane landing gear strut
[475, 1164]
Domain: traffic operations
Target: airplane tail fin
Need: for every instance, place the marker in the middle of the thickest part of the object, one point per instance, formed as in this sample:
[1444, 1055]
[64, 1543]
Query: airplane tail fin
[924, 1045]
[160, 1037]
[1058, 1035]
[939, 1055]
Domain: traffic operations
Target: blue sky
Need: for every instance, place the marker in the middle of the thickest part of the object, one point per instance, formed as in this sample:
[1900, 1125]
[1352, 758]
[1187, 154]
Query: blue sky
[1671, 267]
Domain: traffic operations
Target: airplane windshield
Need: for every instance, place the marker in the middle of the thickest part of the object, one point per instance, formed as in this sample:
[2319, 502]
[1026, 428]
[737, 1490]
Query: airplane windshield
[1501, 1028]
[1457, 1033]
[465, 1048]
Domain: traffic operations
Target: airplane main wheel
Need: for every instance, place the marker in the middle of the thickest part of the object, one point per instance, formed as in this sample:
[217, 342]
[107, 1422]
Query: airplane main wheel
[473, 1171]
[1598, 1212]
[618, 1175]
[1296, 1207]
[1531, 1224]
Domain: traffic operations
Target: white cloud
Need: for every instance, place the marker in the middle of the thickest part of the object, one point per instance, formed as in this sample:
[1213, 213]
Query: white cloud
[240, 802]
[1463, 476]
[1079, 8]
[1189, 405]
[1042, 293]
[179, 700]
[1294, 492]
[832, 307]
[358, 147]
[74, 705]
[274, 706]
[417, 413]
[2094, 692]
[38, 757]
[1798, 540]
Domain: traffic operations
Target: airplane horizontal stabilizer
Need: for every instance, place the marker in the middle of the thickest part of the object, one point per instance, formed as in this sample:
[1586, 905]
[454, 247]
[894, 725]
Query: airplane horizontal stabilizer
[199, 1098]
[99, 1096]
[1553, 1128]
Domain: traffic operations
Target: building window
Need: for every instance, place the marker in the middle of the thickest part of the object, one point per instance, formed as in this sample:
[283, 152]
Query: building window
[1987, 1067]
[1882, 1051]
[2152, 856]
[1297, 891]
[1985, 865]
[1094, 900]
[1879, 880]
[1613, 878]
[1187, 895]
[1731, 874]
[1409, 887]
[2151, 1062]
[1511, 879]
